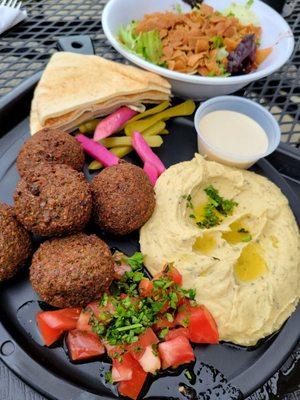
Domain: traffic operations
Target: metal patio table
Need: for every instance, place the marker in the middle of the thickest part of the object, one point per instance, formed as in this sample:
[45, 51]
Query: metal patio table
[26, 48]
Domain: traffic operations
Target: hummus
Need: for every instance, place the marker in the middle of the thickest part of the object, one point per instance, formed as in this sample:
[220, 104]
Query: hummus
[245, 269]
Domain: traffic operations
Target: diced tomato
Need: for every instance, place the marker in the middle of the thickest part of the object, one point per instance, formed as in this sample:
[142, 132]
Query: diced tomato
[175, 275]
[84, 345]
[145, 287]
[200, 323]
[133, 387]
[52, 324]
[148, 338]
[120, 270]
[162, 322]
[172, 273]
[122, 368]
[83, 321]
[174, 333]
[64, 319]
[150, 361]
[183, 315]
[202, 326]
[101, 312]
[114, 351]
[48, 334]
[175, 352]
[165, 307]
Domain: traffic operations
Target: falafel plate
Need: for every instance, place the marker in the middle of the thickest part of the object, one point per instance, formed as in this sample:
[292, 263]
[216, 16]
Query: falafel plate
[214, 240]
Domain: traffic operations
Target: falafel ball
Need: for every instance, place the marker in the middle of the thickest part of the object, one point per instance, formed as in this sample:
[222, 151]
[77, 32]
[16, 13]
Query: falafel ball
[53, 200]
[123, 198]
[52, 146]
[72, 271]
[15, 243]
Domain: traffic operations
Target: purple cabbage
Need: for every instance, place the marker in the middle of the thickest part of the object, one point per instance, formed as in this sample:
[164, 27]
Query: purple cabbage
[241, 60]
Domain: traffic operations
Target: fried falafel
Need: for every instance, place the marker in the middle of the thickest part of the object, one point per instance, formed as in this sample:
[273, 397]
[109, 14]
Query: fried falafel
[15, 243]
[53, 200]
[72, 271]
[52, 146]
[123, 198]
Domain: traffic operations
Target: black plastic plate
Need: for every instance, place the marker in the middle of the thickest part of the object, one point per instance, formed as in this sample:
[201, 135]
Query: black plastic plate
[218, 368]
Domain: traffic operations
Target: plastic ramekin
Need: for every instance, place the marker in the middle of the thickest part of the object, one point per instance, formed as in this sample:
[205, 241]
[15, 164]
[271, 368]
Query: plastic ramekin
[247, 107]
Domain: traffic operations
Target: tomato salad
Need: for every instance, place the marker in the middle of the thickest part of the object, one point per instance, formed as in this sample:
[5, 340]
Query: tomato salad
[144, 325]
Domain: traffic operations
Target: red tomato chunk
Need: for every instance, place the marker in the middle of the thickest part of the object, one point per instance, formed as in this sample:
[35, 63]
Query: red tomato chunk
[175, 275]
[53, 323]
[83, 321]
[122, 368]
[84, 345]
[200, 323]
[49, 335]
[174, 333]
[175, 352]
[147, 338]
[132, 387]
[146, 287]
[64, 319]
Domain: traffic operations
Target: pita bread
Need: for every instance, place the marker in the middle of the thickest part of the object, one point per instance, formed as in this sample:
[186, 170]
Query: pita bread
[75, 88]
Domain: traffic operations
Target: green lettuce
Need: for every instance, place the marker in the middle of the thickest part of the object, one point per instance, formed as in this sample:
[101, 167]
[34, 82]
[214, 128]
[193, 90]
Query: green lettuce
[147, 45]
[243, 12]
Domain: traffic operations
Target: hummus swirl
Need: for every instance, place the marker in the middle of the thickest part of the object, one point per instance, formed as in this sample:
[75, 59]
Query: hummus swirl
[247, 306]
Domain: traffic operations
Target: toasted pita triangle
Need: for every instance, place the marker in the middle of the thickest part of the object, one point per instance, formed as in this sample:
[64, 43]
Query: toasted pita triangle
[75, 87]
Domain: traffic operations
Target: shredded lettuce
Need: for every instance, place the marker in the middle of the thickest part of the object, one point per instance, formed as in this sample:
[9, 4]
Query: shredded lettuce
[147, 45]
[217, 42]
[222, 53]
[243, 12]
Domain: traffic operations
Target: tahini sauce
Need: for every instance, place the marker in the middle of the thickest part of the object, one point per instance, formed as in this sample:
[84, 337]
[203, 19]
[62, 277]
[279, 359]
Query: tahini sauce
[234, 132]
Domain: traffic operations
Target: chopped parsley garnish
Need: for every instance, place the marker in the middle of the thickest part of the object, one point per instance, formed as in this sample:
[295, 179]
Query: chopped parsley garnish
[163, 333]
[108, 377]
[224, 206]
[216, 205]
[188, 374]
[124, 314]
[247, 238]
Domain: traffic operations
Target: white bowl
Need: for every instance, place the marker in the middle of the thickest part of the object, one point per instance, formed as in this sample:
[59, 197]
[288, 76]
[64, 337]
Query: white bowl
[244, 106]
[275, 33]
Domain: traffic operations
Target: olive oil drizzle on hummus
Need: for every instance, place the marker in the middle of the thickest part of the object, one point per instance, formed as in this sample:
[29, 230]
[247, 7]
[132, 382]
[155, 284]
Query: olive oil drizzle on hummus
[213, 212]
[251, 264]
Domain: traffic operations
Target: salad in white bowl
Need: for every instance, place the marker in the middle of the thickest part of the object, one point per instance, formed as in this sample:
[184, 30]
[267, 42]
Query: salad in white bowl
[206, 49]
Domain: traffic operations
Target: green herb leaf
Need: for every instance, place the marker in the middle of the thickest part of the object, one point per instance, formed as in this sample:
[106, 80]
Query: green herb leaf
[188, 374]
[247, 238]
[108, 377]
[135, 261]
[163, 333]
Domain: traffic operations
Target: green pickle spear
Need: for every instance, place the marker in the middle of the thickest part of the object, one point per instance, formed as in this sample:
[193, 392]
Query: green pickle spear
[89, 126]
[154, 110]
[116, 141]
[155, 129]
[120, 151]
[185, 108]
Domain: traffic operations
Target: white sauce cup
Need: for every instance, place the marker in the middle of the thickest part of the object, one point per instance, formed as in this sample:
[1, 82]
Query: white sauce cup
[244, 106]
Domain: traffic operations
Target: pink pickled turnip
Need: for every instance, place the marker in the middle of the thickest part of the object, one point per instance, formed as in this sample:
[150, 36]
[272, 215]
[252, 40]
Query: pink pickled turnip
[97, 151]
[113, 122]
[146, 154]
[151, 171]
